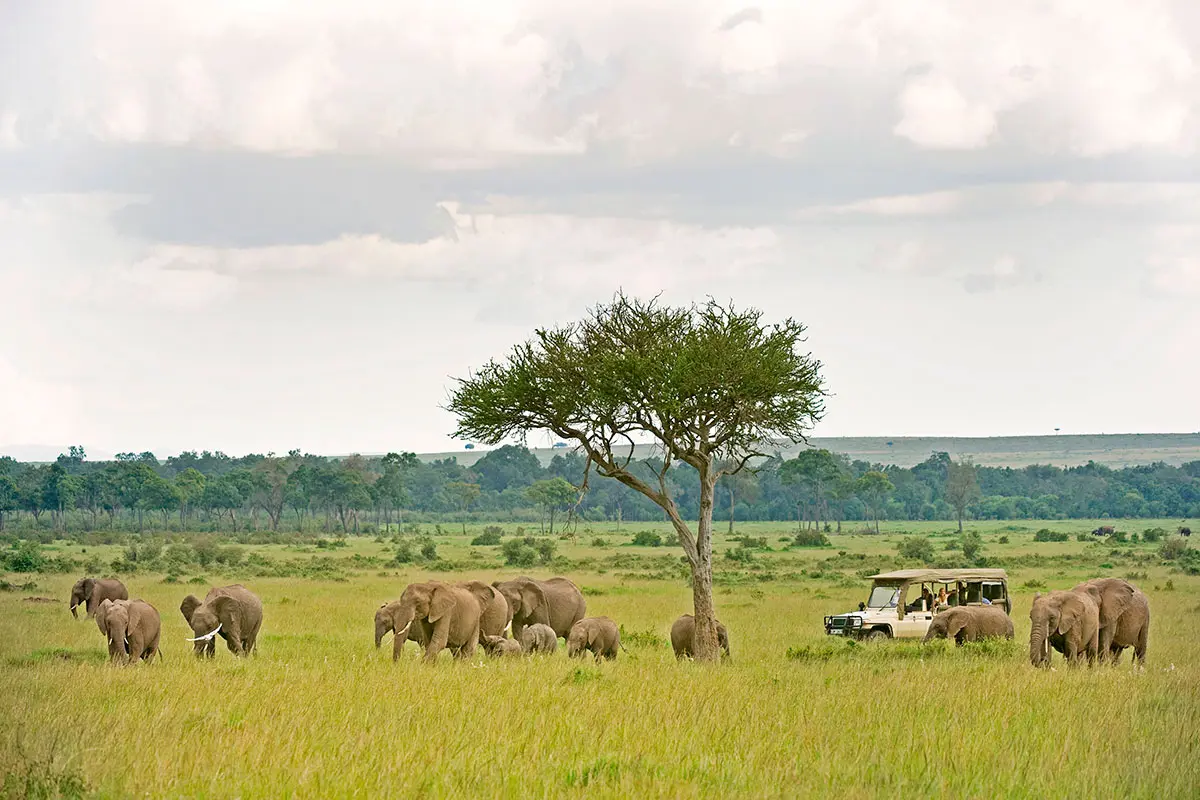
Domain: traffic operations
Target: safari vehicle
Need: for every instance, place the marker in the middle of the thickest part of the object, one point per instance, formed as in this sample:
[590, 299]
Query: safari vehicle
[902, 603]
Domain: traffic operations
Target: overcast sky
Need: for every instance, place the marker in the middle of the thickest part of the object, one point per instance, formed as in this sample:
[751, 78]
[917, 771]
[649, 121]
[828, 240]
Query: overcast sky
[254, 226]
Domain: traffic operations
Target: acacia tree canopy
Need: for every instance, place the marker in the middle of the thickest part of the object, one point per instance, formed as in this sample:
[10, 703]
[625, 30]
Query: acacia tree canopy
[709, 384]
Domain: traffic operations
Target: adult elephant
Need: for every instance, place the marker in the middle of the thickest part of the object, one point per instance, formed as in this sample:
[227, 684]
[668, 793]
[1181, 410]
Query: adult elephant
[970, 624]
[683, 637]
[1124, 617]
[91, 593]
[449, 615]
[495, 615]
[556, 602]
[232, 612]
[132, 628]
[385, 622]
[1071, 617]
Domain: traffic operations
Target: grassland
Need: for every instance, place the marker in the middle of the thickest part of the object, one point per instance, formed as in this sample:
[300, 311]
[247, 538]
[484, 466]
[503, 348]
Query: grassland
[321, 713]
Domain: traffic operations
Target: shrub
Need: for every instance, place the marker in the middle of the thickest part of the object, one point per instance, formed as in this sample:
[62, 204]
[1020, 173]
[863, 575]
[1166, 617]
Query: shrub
[1047, 535]
[599, 542]
[545, 549]
[1153, 535]
[972, 546]
[429, 550]
[1174, 549]
[752, 543]
[740, 555]
[1083, 537]
[647, 539]
[25, 556]
[811, 539]
[490, 536]
[518, 554]
[1002, 540]
[916, 547]
[404, 553]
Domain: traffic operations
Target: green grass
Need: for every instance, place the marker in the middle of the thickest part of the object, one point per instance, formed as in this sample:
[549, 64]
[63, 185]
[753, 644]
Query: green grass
[321, 713]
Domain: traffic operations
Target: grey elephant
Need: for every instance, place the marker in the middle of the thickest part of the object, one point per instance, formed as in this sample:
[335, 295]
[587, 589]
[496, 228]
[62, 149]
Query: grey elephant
[132, 628]
[683, 637]
[232, 612]
[91, 592]
[538, 638]
[1067, 620]
[970, 624]
[599, 635]
[556, 602]
[1124, 617]
[449, 614]
[500, 647]
[495, 615]
[385, 623]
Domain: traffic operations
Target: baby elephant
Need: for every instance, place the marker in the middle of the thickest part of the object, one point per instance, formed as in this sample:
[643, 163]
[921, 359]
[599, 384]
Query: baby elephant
[597, 634]
[539, 638]
[971, 623]
[683, 637]
[131, 627]
[499, 647]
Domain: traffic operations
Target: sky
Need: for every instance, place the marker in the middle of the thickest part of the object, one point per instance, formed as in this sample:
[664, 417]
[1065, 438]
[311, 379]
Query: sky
[262, 225]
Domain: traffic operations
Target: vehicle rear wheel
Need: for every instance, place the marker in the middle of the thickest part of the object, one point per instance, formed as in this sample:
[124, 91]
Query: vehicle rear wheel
[877, 636]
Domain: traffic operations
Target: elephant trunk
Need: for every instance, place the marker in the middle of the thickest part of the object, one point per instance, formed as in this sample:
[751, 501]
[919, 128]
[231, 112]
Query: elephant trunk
[74, 611]
[1039, 644]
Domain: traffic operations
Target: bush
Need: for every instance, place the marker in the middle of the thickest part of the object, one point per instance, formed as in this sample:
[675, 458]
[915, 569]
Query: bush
[599, 542]
[972, 546]
[916, 547]
[740, 555]
[1175, 549]
[545, 549]
[1002, 540]
[647, 539]
[1153, 535]
[811, 539]
[752, 543]
[490, 536]
[24, 556]
[429, 550]
[518, 554]
[404, 553]
[1047, 535]
[1083, 537]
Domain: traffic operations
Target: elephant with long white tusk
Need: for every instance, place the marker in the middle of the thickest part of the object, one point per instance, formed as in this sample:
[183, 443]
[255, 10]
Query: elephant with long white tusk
[232, 612]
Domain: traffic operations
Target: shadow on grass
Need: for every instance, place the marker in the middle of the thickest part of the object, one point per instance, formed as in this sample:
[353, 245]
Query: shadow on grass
[846, 650]
[59, 655]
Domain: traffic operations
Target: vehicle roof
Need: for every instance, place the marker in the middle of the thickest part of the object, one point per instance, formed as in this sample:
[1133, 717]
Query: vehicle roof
[942, 575]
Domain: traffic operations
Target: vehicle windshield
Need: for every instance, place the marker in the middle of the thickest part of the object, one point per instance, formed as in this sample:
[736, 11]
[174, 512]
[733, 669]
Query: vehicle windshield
[883, 597]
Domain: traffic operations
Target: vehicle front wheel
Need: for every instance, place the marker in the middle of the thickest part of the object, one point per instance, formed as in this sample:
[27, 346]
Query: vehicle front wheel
[877, 636]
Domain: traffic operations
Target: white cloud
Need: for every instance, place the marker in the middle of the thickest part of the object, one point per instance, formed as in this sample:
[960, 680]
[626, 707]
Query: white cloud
[467, 82]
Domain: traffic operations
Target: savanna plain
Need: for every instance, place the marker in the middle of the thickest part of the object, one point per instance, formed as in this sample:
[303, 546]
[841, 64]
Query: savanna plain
[319, 712]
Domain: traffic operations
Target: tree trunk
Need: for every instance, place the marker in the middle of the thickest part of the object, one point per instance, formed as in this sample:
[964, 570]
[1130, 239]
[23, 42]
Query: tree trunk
[704, 613]
[618, 514]
[960, 522]
[731, 506]
[551, 520]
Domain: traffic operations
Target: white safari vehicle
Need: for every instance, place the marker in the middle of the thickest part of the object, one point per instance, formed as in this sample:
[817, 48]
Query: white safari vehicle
[902, 603]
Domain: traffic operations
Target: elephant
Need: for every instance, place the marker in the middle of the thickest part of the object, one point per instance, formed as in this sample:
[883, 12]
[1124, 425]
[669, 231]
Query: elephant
[94, 592]
[501, 647]
[450, 616]
[1067, 620]
[683, 637]
[495, 615]
[233, 612]
[132, 628]
[556, 602]
[970, 624]
[385, 622]
[538, 638]
[1124, 617]
[597, 634]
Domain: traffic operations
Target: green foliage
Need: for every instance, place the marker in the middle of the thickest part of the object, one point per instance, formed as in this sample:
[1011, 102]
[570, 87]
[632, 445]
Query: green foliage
[753, 542]
[972, 546]
[811, 538]
[491, 536]
[647, 539]
[527, 551]
[1153, 535]
[25, 556]
[1002, 540]
[1174, 549]
[404, 553]
[1047, 535]
[916, 547]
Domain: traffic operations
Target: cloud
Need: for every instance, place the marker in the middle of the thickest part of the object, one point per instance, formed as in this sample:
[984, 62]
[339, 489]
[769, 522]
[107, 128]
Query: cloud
[642, 80]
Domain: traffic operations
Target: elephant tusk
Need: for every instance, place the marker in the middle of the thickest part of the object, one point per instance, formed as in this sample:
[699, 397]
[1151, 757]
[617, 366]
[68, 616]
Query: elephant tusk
[206, 636]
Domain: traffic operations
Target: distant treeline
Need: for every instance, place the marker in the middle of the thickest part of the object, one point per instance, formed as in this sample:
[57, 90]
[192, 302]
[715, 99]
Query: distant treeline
[302, 491]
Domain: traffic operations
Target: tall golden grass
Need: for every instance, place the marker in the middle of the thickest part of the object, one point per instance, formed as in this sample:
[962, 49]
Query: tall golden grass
[321, 713]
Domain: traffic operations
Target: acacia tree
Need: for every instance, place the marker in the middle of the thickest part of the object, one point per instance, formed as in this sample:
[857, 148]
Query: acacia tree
[962, 487]
[552, 494]
[874, 487]
[814, 470]
[709, 384]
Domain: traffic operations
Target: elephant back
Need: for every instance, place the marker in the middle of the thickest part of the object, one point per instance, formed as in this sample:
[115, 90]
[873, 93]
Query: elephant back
[567, 605]
[248, 604]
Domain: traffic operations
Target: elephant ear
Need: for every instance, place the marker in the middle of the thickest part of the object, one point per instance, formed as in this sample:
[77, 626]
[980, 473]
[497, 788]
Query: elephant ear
[189, 606]
[481, 591]
[441, 603]
[955, 625]
[102, 616]
[89, 586]
[593, 631]
[1116, 597]
[1069, 614]
[533, 603]
[226, 607]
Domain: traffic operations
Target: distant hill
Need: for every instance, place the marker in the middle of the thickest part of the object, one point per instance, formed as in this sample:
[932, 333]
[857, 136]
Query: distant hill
[1114, 450]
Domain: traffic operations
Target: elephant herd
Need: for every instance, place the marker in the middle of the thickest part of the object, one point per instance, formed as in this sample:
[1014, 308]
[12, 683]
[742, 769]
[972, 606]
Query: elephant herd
[1095, 620]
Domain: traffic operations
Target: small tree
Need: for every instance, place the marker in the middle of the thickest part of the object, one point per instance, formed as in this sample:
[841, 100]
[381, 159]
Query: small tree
[874, 487]
[552, 495]
[814, 470]
[708, 384]
[962, 486]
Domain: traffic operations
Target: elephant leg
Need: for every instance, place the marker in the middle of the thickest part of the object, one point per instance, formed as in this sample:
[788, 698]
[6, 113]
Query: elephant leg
[397, 647]
[1139, 649]
[437, 642]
